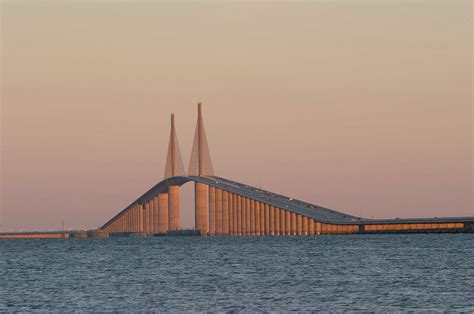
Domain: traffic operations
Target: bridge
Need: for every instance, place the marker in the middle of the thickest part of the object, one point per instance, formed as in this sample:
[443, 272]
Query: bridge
[223, 207]
[227, 208]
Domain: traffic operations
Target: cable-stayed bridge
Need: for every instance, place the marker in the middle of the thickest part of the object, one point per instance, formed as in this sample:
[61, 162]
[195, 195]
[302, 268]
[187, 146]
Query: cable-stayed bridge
[227, 208]
[224, 207]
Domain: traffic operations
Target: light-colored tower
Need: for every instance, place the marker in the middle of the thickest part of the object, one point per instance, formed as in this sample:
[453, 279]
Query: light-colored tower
[174, 163]
[174, 167]
[200, 165]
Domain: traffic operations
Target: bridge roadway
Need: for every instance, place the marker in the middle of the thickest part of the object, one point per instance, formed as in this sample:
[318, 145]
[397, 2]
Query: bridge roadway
[329, 221]
[319, 213]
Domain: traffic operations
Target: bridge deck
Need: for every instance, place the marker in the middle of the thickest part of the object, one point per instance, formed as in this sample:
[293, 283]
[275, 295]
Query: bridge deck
[319, 213]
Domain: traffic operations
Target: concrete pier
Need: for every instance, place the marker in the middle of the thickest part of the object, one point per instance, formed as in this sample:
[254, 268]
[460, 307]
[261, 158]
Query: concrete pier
[236, 215]
[218, 212]
[247, 217]
[277, 220]
[231, 213]
[173, 205]
[305, 226]
[225, 213]
[200, 207]
[318, 228]
[299, 224]
[135, 218]
[162, 213]
[293, 223]
[239, 215]
[212, 211]
[257, 218]
[235, 231]
[267, 219]
[151, 209]
[244, 218]
[311, 227]
[271, 223]
[252, 217]
[282, 222]
[288, 222]
[156, 215]
[131, 219]
[140, 218]
[146, 220]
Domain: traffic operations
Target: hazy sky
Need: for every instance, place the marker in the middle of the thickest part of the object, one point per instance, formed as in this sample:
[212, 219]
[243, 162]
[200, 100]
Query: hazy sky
[360, 106]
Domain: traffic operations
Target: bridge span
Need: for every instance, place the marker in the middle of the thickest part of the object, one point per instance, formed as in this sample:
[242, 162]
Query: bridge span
[228, 208]
[237, 209]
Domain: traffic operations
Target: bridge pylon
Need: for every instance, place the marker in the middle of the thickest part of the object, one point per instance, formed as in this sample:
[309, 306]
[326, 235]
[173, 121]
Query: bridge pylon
[174, 167]
[174, 162]
[200, 164]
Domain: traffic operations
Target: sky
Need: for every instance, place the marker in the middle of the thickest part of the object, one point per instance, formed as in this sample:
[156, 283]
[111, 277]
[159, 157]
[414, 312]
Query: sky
[360, 106]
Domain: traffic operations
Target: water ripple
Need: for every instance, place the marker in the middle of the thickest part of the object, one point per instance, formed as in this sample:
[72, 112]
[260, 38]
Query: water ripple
[326, 273]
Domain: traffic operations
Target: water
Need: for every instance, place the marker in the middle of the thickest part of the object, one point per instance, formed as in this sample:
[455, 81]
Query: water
[373, 272]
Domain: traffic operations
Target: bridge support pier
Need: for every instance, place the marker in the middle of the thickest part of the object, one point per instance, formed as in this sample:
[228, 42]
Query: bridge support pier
[257, 218]
[277, 221]
[282, 222]
[146, 224]
[163, 212]
[130, 220]
[156, 213]
[247, 217]
[147, 217]
[218, 212]
[127, 221]
[173, 206]
[288, 222]
[140, 218]
[212, 211]
[151, 216]
[271, 215]
[231, 213]
[225, 213]
[267, 219]
[305, 226]
[236, 214]
[252, 217]
[242, 217]
[293, 223]
[311, 227]
[299, 224]
[238, 204]
[200, 207]
[136, 218]
[318, 228]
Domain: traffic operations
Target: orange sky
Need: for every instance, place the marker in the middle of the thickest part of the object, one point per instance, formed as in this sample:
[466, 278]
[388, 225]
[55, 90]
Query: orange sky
[364, 107]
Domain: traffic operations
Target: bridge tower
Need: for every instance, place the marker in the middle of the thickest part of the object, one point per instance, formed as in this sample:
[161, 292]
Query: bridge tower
[200, 165]
[169, 218]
